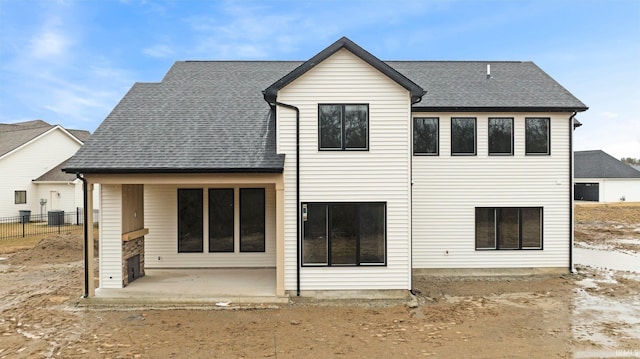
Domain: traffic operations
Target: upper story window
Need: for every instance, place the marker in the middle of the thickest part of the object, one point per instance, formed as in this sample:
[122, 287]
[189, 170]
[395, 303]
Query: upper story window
[537, 136]
[20, 197]
[501, 136]
[343, 127]
[463, 136]
[425, 136]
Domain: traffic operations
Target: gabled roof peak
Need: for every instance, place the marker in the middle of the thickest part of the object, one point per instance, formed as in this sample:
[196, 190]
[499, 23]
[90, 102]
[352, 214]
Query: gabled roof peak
[416, 91]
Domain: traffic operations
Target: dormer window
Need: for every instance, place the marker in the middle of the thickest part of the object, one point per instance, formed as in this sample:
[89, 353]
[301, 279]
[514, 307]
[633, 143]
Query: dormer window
[343, 127]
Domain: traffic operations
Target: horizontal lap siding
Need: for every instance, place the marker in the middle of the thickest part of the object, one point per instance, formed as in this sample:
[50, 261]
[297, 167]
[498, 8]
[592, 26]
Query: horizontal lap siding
[447, 189]
[162, 220]
[111, 236]
[380, 174]
[19, 168]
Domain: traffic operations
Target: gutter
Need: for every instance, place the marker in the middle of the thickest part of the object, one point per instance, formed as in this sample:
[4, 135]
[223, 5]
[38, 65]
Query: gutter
[571, 188]
[86, 235]
[298, 209]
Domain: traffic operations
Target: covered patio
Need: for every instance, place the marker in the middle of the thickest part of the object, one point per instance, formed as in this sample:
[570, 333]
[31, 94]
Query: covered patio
[196, 286]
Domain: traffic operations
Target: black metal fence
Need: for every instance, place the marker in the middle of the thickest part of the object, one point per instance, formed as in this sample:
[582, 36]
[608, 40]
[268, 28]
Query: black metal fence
[52, 222]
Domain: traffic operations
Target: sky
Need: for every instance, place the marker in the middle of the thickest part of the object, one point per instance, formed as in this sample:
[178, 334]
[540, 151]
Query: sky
[69, 62]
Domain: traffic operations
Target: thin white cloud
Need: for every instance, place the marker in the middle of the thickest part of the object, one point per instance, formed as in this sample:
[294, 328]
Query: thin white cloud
[49, 43]
[159, 51]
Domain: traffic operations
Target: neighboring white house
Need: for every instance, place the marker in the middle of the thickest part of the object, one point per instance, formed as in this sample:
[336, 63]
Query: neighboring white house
[343, 172]
[31, 177]
[600, 177]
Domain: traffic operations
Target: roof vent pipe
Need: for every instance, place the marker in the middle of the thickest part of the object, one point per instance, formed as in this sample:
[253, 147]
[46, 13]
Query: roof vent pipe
[488, 71]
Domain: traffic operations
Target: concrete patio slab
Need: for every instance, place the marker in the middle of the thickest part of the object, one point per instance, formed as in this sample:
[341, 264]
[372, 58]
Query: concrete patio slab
[195, 286]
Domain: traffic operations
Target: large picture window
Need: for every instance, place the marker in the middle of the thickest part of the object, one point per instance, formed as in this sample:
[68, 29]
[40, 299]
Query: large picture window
[500, 136]
[463, 136]
[222, 215]
[509, 228]
[252, 220]
[537, 135]
[221, 218]
[343, 126]
[344, 234]
[425, 136]
[189, 220]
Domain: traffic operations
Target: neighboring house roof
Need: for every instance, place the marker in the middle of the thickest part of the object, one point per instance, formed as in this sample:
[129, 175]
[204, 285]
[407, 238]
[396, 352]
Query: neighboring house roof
[56, 175]
[415, 90]
[598, 164]
[211, 116]
[14, 135]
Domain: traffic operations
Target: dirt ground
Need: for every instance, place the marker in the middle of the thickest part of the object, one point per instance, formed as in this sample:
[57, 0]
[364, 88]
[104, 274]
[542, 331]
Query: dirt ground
[592, 313]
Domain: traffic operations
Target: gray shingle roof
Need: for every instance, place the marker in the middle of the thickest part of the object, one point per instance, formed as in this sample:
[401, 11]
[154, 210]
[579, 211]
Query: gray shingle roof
[14, 135]
[210, 116]
[463, 85]
[56, 174]
[599, 164]
[203, 117]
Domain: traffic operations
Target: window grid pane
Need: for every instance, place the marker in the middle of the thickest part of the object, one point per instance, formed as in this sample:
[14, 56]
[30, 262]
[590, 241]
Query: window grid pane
[463, 136]
[330, 126]
[190, 220]
[372, 233]
[425, 136]
[315, 240]
[221, 218]
[537, 136]
[485, 228]
[531, 227]
[508, 225]
[501, 136]
[252, 220]
[355, 126]
[343, 231]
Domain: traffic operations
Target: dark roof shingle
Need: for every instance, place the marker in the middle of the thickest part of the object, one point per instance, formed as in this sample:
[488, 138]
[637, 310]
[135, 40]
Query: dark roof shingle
[210, 116]
[599, 164]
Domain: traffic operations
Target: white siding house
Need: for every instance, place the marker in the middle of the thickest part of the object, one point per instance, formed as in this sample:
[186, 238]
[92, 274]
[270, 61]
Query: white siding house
[349, 176]
[30, 152]
[357, 173]
[448, 188]
[600, 177]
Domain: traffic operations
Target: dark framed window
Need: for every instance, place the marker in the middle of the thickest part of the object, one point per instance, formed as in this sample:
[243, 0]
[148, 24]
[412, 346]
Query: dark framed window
[190, 220]
[343, 127]
[508, 228]
[20, 197]
[252, 220]
[463, 136]
[426, 136]
[221, 220]
[344, 234]
[501, 136]
[537, 136]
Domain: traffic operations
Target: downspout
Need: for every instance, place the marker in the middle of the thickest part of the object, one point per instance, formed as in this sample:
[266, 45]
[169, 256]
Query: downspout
[413, 101]
[571, 129]
[298, 229]
[86, 235]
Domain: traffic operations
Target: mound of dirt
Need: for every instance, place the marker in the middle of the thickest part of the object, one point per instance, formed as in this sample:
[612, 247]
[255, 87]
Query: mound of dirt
[625, 212]
[61, 248]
